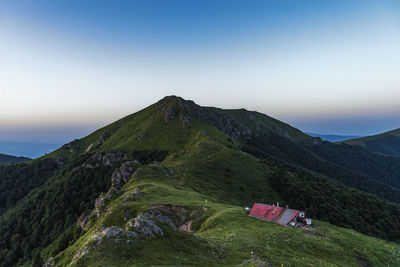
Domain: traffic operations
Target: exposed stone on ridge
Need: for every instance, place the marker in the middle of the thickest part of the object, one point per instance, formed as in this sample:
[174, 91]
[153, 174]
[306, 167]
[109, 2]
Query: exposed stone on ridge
[144, 224]
[122, 174]
[112, 231]
[49, 263]
[109, 158]
[83, 220]
[99, 204]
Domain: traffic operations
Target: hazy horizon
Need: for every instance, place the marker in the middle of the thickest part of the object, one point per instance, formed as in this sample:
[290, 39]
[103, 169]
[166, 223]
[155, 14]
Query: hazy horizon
[323, 67]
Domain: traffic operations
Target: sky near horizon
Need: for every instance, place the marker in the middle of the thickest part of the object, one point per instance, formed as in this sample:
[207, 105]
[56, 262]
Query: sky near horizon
[69, 67]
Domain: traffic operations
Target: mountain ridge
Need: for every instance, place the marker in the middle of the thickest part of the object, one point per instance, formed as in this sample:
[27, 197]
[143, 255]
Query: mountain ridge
[176, 165]
[5, 159]
[333, 137]
[387, 143]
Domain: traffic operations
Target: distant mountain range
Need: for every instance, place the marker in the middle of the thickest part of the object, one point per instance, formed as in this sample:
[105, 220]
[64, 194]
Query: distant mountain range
[386, 143]
[31, 150]
[333, 137]
[11, 159]
[168, 185]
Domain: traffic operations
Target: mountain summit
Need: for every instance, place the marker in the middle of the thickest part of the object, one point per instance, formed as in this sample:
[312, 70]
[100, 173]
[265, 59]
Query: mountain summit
[168, 185]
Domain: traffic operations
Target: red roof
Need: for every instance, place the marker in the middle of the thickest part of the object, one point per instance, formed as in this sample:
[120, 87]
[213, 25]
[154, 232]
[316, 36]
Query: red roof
[273, 214]
[266, 212]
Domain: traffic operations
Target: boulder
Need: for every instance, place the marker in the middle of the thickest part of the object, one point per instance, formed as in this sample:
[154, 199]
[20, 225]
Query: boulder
[112, 231]
[144, 224]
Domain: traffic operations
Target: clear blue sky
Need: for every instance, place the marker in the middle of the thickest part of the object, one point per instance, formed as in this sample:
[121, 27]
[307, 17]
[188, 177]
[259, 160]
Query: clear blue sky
[68, 67]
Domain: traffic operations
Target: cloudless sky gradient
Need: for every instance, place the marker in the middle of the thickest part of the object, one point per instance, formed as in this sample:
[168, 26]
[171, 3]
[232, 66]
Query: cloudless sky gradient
[68, 67]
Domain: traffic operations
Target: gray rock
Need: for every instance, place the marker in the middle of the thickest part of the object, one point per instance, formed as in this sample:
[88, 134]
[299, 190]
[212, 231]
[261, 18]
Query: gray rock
[145, 225]
[83, 220]
[112, 231]
[124, 173]
[109, 158]
[99, 204]
[82, 252]
[49, 263]
[121, 176]
[158, 216]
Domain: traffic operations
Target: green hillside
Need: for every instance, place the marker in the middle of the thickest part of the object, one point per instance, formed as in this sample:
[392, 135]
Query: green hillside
[119, 196]
[5, 159]
[221, 233]
[387, 143]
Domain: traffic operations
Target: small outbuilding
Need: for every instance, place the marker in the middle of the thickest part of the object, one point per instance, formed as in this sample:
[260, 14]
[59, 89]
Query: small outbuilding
[276, 214]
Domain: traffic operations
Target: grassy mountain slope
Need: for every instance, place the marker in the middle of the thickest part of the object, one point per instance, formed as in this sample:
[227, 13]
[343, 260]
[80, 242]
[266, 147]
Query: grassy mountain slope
[223, 234]
[11, 159]
[154, 129]
[387, 143]
[191, 158]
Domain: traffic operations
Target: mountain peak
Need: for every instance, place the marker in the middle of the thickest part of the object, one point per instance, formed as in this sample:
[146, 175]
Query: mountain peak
[174, 106]
[173, 99]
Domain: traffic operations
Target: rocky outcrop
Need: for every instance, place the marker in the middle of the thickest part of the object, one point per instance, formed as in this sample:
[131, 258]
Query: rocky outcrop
[188, 109]
[49, 263]
[158, 216]
[109, 158]
[119, 178]
[122, 174]
[83, 220]
[175, 216]
[144, 224]
[112, 231]
[176, 213]
[99, 204]
[82, 252]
